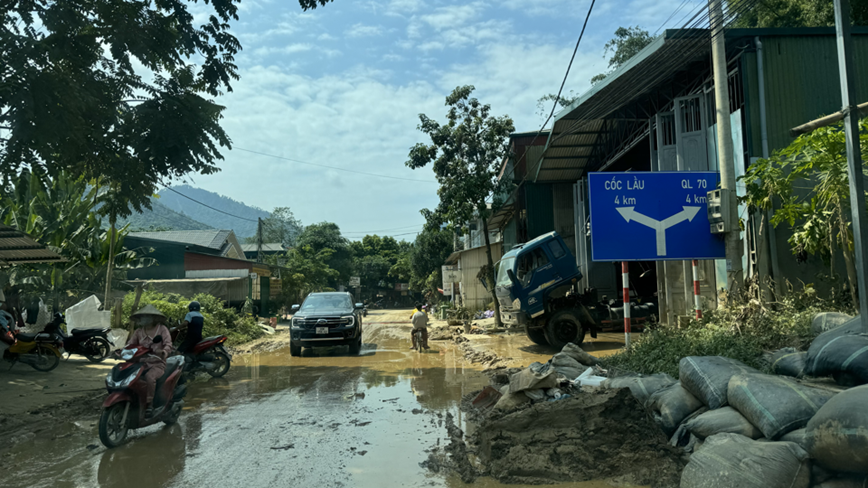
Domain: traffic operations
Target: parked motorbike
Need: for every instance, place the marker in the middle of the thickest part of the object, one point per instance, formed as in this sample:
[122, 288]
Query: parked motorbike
[125, 407]
[90, 343]
[365, 311]
[41, 351]
[208, 355]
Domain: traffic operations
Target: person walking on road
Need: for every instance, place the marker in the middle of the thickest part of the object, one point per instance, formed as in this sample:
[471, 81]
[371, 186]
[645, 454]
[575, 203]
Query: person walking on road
[420, 321]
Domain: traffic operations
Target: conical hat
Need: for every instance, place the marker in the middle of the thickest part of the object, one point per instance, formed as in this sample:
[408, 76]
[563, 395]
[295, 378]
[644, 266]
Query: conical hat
[149, 310]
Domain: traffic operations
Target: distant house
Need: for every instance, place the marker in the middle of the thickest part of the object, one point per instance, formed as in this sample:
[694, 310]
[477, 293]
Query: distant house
[268, 249]
[203, 261]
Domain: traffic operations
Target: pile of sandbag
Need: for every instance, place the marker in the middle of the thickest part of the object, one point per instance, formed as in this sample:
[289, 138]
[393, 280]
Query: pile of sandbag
[546, 382]
[841, 353]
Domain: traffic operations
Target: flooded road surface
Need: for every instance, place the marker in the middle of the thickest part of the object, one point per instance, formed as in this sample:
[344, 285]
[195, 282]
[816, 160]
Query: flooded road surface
[326, 419]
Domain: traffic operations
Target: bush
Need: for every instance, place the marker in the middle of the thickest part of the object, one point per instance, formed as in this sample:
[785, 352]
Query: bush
[219, 320]
[742, 329]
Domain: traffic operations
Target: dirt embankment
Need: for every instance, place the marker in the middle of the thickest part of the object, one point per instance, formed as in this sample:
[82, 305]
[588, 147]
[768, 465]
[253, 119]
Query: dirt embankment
[601, 434]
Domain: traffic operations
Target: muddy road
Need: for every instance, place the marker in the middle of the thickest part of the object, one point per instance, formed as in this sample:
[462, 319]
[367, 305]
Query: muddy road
[326, 419]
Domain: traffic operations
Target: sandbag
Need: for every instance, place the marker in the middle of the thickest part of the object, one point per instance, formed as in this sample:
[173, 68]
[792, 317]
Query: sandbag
[734, 461]
[722, 420]
[567, 366]
[826, 321]
[528, 379]
[707, 377]
[837, 436]
[670, 406]
[789, 362]
[642, 387]
[511, 400]
[844, 482]
[579, 354]
[797, 436]
[775, 404]
[841, 353]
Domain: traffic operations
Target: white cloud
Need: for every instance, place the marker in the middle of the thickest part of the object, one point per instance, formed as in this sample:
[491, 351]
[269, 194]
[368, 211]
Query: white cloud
[453, 16]
[361, 30]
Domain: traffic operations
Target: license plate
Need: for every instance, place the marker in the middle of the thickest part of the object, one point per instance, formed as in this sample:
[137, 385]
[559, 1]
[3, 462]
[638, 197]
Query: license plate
[322, 330]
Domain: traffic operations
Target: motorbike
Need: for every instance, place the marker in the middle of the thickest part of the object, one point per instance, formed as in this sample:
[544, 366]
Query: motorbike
[365, 311]
[90, 343]
[41, 351]
[209, 355]
[125, 407]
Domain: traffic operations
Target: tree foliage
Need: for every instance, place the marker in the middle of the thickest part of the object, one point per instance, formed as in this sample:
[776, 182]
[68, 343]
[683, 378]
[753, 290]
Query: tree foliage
[807, 186]
[430, 250]
[59, 212]
[116, 91]
[628, 41]
[280, 227]
[308, 271]
[326, 236]
[465, 154]
[796, 13]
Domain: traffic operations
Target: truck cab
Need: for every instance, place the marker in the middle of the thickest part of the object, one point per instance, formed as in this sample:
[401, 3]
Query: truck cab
[533, 282]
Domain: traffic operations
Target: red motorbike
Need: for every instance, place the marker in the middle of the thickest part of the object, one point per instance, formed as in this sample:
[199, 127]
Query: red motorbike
[126, 405]
[209, 355]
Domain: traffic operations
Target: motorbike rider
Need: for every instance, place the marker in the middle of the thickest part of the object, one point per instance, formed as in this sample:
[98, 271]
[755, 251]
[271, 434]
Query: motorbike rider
[194, 322]
[7, 325]
[150, 324]
[419, 319]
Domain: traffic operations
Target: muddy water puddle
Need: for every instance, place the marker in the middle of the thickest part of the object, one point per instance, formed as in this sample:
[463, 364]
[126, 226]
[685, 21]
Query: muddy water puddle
[325, 419]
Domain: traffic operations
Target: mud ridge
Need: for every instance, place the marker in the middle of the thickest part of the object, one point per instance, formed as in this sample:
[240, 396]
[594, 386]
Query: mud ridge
[600, 434]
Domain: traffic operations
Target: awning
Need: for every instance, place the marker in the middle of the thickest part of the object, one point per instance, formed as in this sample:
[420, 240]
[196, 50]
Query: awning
[596, 126]
[17, 247]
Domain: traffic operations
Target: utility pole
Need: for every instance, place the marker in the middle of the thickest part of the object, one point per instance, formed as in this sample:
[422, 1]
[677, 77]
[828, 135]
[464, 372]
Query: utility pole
[259, 240]
[854, 156]
[724, 145]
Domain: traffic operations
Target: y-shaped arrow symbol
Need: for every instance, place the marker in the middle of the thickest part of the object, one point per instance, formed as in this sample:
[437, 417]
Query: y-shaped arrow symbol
[659, 226]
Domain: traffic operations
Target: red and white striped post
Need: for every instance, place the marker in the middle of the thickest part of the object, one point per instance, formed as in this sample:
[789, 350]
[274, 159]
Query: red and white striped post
[696, 295]
[625, 278]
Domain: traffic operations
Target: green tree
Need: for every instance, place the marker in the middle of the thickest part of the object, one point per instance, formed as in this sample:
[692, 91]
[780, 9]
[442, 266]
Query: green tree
[628, 41]
[820, 218]
[281, 227]
[59, 212]
[308, 272]
[465, 154]
[327, 236]
[114, 90]
[430, 250]
[796, 13]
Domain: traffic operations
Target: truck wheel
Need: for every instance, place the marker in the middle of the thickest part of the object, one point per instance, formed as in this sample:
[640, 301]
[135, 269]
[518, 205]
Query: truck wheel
[537, 336]
[564, 327]
[294, 350]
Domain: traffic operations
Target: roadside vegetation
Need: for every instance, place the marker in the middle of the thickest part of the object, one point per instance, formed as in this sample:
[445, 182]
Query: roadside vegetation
[743, 328]
[218, 319]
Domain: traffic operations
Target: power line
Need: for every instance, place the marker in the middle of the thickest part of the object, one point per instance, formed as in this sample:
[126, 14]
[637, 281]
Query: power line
[332, 167]
[382, 230]
[209, 206]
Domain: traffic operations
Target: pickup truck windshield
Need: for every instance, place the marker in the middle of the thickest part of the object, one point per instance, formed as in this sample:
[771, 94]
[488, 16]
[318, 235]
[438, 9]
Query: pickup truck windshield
[326, 302]
[502, 277]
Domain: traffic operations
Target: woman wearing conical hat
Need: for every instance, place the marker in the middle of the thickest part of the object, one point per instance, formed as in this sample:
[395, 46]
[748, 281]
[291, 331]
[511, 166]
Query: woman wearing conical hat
[150, 324]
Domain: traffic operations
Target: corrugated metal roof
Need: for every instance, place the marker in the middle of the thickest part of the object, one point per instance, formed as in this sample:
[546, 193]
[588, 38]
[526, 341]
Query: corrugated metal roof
[17, 247]
[211, 239]
[266, 247]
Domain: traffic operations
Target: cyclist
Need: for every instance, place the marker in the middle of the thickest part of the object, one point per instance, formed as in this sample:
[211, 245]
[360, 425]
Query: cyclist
[419, 320]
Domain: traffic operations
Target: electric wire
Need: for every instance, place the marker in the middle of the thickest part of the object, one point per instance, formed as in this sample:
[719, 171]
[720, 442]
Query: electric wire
[336, 168]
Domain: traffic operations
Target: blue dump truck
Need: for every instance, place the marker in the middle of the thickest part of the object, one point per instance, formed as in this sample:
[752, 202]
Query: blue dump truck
[537, 288]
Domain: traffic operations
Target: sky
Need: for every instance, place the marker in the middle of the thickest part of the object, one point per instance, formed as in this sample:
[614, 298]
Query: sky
[343, 86]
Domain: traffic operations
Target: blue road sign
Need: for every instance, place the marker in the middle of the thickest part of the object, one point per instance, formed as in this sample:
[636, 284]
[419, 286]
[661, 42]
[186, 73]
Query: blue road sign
[657, 216]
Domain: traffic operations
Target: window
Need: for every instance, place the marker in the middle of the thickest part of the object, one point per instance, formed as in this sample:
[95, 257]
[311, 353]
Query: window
[502, 276]
[529, 262]
[557, 249]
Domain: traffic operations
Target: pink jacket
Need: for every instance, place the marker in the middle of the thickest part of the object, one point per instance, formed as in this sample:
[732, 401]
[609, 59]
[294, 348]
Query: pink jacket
[161, 349]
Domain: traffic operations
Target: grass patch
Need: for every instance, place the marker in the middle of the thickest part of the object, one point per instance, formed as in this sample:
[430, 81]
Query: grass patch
[743, 329]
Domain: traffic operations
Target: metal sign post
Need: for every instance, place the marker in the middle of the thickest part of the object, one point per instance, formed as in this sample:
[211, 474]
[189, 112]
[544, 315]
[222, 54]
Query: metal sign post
[854, 157]
[625, 277]
[696, 295]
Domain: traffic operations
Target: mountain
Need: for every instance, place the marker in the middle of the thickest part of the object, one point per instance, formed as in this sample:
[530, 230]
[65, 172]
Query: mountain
[161, 217]
[212, 218]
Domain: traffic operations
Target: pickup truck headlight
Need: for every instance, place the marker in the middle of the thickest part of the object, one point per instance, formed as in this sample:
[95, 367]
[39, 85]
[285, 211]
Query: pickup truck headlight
[348, 320]
[296, 323]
